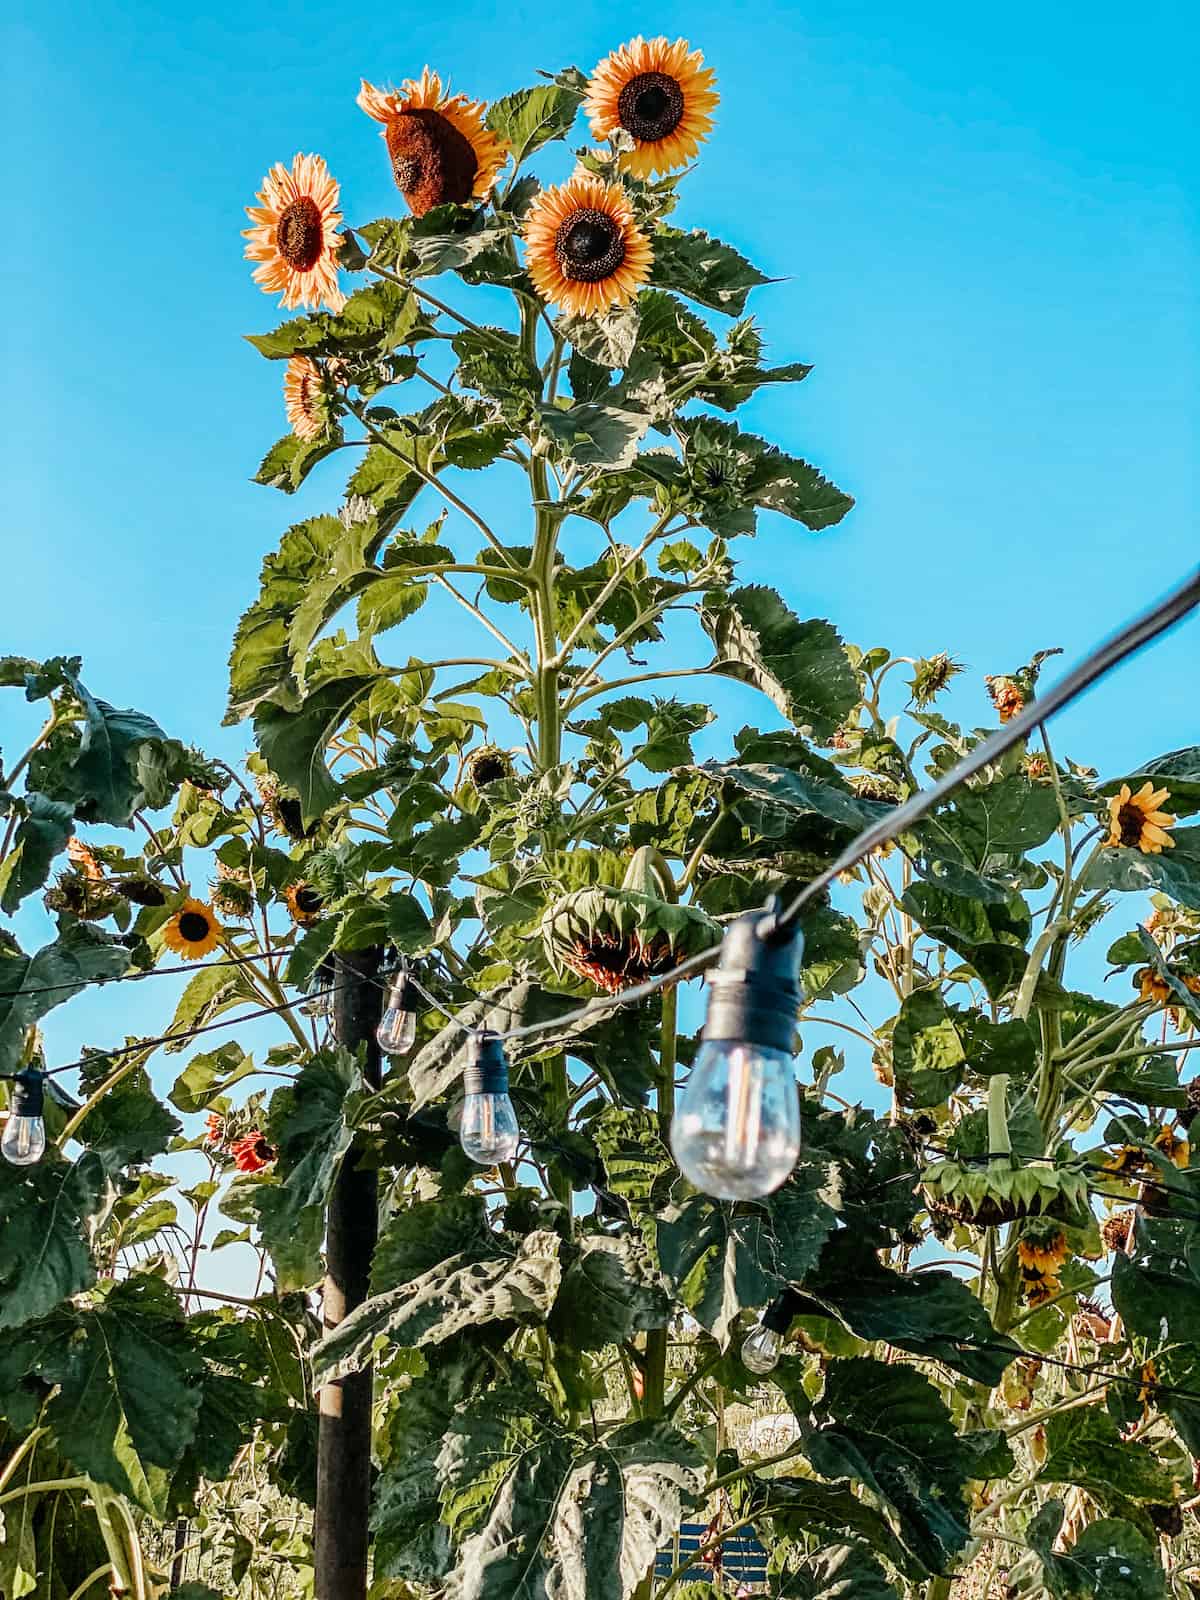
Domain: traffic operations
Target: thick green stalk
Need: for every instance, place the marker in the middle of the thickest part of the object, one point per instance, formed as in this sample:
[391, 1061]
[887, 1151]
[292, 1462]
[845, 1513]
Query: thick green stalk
[654, 1400]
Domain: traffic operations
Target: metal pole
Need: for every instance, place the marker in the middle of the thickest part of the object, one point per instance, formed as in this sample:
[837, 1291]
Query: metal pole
[344, 1437]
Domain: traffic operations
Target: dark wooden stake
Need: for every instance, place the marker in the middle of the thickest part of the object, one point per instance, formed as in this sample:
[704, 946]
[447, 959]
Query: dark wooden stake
[344, 1437]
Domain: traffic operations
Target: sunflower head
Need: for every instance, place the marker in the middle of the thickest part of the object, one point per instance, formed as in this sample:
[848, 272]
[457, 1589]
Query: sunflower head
[930, 676]
[214, 1128]
[142, 891]
[488, 764]
[618, 937]
[304, 903]
[306, 398]
[1042, 1248]
[232, 892]
[1036, 767]
[1176, 1150]
[1135, 821]
[660, 95]
[442, 152]
[1007, 696]
[283, 809]
[252, 1152]
[1150, 986]
[586, 251]
[294, 238]
[193, 931]
[82, 896]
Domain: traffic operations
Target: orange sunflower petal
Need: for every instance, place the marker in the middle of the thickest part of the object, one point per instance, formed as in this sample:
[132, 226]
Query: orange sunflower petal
[294, 238]
[610, 258]
[441, 148]
[193, 931]
[302, 393]
[661, 94]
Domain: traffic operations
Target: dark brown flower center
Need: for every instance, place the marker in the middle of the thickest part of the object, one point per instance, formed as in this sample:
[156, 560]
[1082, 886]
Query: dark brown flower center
[432, 162]
[300, 237]
[193, 927]
[650, 106]
[308, 901]
[589, 245]
[488, 769]
[1130, 822]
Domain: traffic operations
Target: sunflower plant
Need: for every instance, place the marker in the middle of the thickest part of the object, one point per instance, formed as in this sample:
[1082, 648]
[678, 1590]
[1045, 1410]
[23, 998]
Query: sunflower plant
[984, 1283]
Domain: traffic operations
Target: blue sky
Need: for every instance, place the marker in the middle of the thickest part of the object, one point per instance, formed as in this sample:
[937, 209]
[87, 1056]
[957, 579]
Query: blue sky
[987, 230]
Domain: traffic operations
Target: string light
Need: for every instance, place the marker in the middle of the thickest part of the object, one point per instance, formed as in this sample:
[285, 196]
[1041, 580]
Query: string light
[489, 1131]
[24, 1139]
[736, 1132]
[762, 1345]
[397, 1030]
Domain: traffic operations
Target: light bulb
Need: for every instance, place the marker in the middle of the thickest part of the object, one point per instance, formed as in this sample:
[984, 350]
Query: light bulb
[397, 1030]
[24, 1140]
[488, 1131]
[760, 1349]
[736, 1131]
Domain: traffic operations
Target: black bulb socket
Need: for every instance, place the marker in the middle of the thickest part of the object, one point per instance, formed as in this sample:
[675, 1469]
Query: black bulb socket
[28, 1093]
[755, 987]
[486, 1071]
[779, 1314]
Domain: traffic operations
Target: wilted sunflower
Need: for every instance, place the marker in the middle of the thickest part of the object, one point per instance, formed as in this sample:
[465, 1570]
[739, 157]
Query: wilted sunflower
[487, 765]
[658, 92]
[304, 398]
[83, 858]
[1043, 1251]
[295, 235]
[214, 1126]
[586, 252]
[1176, 1150]
[232, 892]
[304, 903]
[142, 891]
[1136, 822]
[283, 810]
[441, 151]
[1007, 696]
[930, 676]
[193, 931]
[1114, 1231]
[1150, 986]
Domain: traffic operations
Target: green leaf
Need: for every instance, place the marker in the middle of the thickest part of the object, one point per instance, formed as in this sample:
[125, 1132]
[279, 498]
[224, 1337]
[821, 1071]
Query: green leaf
[307, 1125]
[30, 986]
[1178, 773]
[378, 316]
[703, 269]
[43, 1257]
[1175, 872]
[1084, 1447]
[1012, 815]
[126, 1405]
[934, 1045]
[726, 473]
[103, 778]
[886, 1427]
[290, 459]
[989, 934]
[798, 793]
[130, 1125]
[461, 1292]
[293, 743]
[719, 1261]
[426, 1234]
[561, 1520]
[802, 667]
[43, 831]
[1110, 1560]
[530, 118]
[1156, 1288]
[595, 436]
[209, 1075]
[841, 1572]
[800, 1508]
[609, 1291]
[439, 1064]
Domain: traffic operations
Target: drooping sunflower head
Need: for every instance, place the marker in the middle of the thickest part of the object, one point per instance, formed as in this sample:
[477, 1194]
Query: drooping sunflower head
[1150, 986]
[294, 237]
[142, 891]
[283, 809]
[586, 251]
[306, 398]
[1042, 1248]
[304, 903]
[619, 937]
[661, 95]
[1114, 1231]
[442, 152]
[930, 676]
[193, 931]
[1136, 822]
[1007, 695]
[488, 764]
[232, 892]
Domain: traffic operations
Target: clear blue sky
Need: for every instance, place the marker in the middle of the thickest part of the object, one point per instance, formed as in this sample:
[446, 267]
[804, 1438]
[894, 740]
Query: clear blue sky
[986, 219]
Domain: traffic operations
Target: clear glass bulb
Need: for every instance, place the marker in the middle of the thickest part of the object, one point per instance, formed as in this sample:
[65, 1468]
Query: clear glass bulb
[24, 1141]
[397, 1031]
[489, 1131]
[760, 1349]
[736, 1130]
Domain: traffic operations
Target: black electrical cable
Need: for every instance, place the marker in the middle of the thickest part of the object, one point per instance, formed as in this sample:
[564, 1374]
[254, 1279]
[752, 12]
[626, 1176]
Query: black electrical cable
[147, 972]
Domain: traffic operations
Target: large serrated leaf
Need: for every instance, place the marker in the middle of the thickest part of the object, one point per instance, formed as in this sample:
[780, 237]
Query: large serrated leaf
[43, 1256]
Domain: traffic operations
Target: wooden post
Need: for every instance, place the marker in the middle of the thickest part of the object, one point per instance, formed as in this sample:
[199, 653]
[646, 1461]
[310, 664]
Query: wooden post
[344, 1436]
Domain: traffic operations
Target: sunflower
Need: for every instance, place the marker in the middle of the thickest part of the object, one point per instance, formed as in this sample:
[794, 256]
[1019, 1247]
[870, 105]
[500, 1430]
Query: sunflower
[304, 903]
[252, 1153]
[295, 235]
[304, 398]
[661, 95]
[441, 151]
[1150, 986]
[214, 1126]
[1136, 822]
[586, 252]
[1007, 696]
[193, 931]
[1176, 1150]
[488, 764]
[83, 858]
[1042, 1252]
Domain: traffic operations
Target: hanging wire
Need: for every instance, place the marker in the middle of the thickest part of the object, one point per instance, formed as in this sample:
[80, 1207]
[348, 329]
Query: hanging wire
[148, 972]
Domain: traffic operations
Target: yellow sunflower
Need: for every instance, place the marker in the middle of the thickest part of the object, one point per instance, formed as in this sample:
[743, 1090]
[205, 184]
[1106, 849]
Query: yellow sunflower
[295, 235]
[304, 903]
[303, 393]
[586, 251]
[193, 931]
[661, 94]
[1135, 821]
[1043, 1254]
[441, 151]
[1150, 986]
